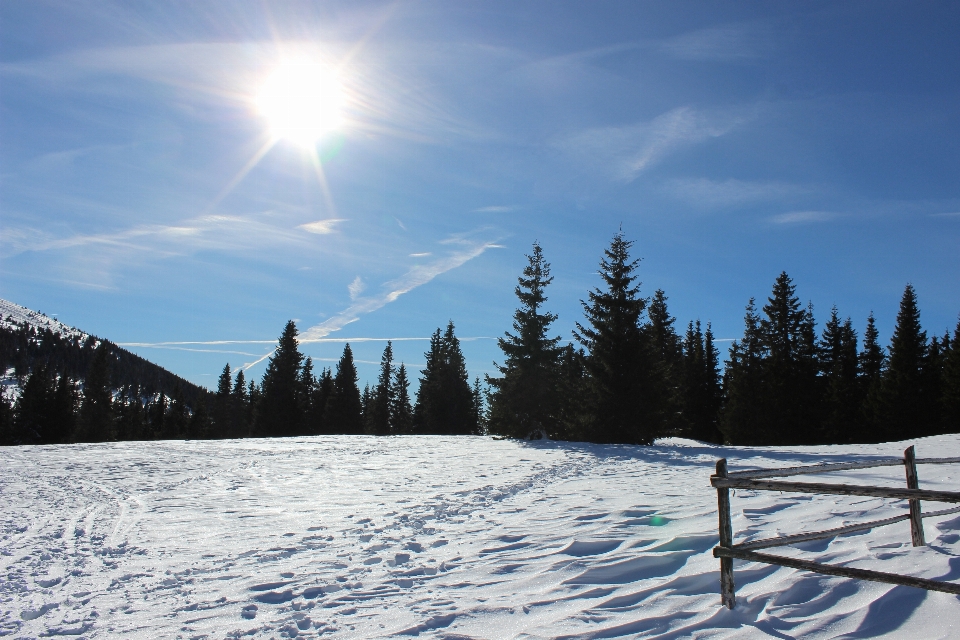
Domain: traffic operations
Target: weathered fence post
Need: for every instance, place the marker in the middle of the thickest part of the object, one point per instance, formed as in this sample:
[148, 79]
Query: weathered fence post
[728, 596]
[913, 482]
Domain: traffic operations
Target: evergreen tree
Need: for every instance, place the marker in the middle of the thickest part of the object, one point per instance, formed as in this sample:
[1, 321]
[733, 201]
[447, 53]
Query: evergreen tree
[790, 384]
[622, 404]
[903, 379]
[130, 414]
[254, 395]
[742, 417]
[380, 407]
[366, 404]
[306, 393]
[6, 420]
[345, 407]
[96, 411]
[840, 386]
[666, 364]
[224, 411]
[240, 427]
[280, 407]
[401, 413]
[700, 389]
[64, 412]
[872, 363]
[322, 394]
[479, 416]
[445, 400]
[525, 398]
[951, 384]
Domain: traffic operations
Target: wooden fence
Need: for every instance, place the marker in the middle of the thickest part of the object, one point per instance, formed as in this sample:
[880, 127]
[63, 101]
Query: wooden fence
[755, 479]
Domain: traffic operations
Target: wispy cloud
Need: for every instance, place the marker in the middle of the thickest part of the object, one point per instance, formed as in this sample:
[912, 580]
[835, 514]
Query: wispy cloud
[630, 150]
[724, 43]
[950, 214]
[321, 227]
[416, 276]
[421, 255]
[799, 217]
[497, 208]
[702, 192]
[356, 287]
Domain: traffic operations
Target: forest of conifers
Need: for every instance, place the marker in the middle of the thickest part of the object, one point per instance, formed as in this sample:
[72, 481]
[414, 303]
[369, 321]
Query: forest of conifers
[631, 377]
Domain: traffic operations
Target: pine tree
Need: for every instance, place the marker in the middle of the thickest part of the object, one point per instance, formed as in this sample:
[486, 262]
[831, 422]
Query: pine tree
[525, 398]
[64, 413]
[199, 426]
[322, 394]
[932, 384]
[951, 384]
[280, 410]
[902, 382]
[841, 388]
[345, 407]
[666, 364]
[700, 388]
[224, 410]
[306, 393]
[401, 413]
[622, 406]
[444, 401]
[790, 368]
[96, 411]
[742, 417]
[380, 407]
[6, 420]
[240, 403]
[573, 414]
[479, 415]
[872, 363]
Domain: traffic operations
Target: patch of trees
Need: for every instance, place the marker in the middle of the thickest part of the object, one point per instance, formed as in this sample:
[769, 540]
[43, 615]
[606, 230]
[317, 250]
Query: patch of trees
[633, 378]
[89, 390]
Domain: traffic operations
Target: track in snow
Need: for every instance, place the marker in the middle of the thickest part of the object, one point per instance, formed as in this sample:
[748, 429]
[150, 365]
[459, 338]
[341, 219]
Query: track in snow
[446, 537]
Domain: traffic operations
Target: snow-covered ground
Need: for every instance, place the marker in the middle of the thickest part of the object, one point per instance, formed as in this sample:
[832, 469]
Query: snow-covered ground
[446, 537]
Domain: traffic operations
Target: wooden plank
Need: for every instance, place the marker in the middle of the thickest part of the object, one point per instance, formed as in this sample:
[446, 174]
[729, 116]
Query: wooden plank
[943, 512]
[818, 535]
[938, 460]
[728, 589]
[816, 468]
[830, 570]
[913, 482]
[836, 489]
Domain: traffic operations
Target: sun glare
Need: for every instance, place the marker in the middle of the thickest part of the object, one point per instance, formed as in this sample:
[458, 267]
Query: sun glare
[302, 101]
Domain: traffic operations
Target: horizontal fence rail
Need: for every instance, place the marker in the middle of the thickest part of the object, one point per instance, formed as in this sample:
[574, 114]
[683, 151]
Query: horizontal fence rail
[727, 551]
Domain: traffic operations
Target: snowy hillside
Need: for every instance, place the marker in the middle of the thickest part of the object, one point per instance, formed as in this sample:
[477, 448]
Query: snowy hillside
[363, 537]
[13, 316]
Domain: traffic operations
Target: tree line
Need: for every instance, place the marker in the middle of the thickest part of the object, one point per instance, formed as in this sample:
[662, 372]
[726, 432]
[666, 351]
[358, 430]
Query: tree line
[629, 375]
[633, 377]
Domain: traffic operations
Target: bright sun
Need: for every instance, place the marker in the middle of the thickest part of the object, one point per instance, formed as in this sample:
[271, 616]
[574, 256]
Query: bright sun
[302, 101]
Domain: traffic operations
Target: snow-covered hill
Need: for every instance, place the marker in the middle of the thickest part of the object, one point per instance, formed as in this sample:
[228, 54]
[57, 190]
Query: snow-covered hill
[12, 316]
[363, 537]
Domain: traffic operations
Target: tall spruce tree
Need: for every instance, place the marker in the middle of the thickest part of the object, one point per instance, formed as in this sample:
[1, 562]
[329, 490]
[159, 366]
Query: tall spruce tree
[224, 411]
[444, 400]
[790, 388]
[700, 389]
[380, 409]
[32, 415]
[903, 379]
[872, 363]
[322, 394]
[573, 416]
[401, 412]
[742, 417]
[524, 399]
[280, 410]
[345, 407]
[622, 406]
[841, 389]
[240, 402]
[665, 377]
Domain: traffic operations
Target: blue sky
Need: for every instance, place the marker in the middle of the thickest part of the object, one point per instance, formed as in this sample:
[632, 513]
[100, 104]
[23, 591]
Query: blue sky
[145, 198]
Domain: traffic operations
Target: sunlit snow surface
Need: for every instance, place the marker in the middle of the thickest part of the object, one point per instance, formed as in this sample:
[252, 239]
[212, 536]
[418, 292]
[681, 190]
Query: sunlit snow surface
[446, 537]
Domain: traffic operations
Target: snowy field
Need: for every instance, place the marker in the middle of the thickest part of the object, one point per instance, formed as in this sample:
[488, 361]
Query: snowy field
[360, 537]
